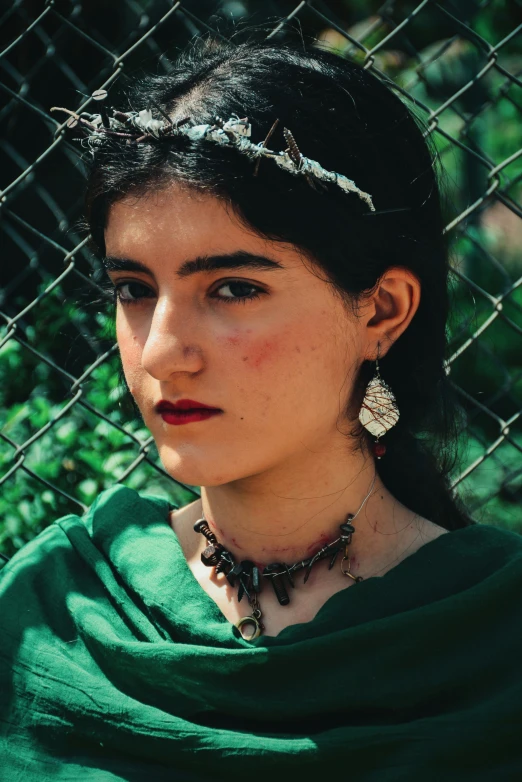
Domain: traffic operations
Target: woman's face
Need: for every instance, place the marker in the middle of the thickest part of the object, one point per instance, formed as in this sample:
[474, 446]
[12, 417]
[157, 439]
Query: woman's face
[279, 365]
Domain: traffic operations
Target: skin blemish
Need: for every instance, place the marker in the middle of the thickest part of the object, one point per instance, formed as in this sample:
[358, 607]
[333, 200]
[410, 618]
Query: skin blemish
[233, 339]
[267, 350]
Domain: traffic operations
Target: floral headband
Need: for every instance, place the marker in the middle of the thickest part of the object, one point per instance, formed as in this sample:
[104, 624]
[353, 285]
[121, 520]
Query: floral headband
[136, 127]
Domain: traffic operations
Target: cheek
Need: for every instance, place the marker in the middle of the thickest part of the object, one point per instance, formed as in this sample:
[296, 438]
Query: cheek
[256, 352]
[129, 347]
[265, 353]
[130, 354]
[288, 352]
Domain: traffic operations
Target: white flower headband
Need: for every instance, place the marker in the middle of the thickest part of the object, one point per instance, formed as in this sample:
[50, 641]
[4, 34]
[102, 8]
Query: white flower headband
[140, 126]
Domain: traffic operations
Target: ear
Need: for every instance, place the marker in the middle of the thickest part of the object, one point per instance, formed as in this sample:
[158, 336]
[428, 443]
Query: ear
[387, 313]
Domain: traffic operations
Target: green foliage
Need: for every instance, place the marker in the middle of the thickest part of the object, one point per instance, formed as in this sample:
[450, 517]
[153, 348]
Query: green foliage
[494, 487]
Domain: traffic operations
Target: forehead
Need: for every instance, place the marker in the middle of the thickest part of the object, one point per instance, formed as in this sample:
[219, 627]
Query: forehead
[184, 222]
[163, 213]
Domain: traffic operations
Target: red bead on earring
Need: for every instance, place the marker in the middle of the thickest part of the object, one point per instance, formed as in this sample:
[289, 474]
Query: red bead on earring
[379, 449]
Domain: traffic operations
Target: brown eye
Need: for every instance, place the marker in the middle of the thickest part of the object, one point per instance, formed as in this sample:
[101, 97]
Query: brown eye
[236, 287]
[134, 298]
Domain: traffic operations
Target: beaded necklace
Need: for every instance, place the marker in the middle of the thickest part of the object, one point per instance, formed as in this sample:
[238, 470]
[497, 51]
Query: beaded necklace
[248, 578]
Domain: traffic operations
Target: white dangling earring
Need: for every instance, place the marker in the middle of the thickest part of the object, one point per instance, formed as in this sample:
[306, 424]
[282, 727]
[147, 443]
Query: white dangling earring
[379, 411]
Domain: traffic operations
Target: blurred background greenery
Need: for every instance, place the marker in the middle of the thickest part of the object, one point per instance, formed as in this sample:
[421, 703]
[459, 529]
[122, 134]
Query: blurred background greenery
[63, 441]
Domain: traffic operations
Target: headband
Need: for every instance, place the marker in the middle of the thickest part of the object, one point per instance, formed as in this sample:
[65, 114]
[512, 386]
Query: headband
[136, 127]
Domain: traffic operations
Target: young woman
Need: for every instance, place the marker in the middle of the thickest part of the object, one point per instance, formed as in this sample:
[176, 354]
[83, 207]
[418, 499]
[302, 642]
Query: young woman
[270, 224]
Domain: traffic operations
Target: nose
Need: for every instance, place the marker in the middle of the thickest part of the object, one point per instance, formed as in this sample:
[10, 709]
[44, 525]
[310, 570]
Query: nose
[171, 344]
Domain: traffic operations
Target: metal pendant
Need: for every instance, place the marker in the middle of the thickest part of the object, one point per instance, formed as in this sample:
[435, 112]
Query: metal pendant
[254, 619]
[379, 411]
[249, 620]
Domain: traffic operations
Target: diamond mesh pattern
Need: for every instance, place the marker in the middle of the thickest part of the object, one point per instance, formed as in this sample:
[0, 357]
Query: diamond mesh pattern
[65, 434]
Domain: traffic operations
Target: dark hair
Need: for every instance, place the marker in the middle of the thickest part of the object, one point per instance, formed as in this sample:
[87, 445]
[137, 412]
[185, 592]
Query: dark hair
[353, 123]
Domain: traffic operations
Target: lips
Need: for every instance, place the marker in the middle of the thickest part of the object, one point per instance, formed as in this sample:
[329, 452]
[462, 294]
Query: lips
[185, 411]
[182, 404]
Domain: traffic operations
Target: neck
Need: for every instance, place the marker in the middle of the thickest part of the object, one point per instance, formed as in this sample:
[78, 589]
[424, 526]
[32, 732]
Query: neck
[269, 518]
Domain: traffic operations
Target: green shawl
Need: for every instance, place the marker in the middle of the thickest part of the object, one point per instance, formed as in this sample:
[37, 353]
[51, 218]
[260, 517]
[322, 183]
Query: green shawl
[116, 665]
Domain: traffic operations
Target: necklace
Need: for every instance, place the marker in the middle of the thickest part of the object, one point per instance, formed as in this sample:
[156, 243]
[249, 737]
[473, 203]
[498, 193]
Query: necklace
[248, 578]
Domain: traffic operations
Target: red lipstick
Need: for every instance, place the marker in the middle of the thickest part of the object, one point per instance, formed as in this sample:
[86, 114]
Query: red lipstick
[185, 411]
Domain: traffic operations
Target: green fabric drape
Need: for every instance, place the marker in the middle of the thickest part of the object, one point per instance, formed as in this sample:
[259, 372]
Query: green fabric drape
[116, 665]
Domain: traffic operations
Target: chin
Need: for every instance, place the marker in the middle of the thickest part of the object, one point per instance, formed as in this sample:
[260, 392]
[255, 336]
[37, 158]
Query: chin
[193, 471]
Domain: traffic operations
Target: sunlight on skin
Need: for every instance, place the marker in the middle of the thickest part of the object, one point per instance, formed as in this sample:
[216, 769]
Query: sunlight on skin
[278, 469]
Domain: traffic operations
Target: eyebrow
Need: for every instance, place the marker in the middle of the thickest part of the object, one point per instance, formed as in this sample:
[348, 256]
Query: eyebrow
[202, 263]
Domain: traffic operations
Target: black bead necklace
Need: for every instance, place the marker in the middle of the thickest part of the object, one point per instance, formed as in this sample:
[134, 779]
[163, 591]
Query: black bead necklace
[248, 578]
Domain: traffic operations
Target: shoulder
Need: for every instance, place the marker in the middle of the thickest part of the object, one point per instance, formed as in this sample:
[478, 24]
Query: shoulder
[55, 547]
[476, 536]
[46, 548]
[478, 549]
[33, 584]
[75, 556]
[474, 533]
[496, 537]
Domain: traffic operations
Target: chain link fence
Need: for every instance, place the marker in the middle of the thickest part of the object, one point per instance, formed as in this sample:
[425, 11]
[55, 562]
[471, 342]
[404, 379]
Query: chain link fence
[66, 429]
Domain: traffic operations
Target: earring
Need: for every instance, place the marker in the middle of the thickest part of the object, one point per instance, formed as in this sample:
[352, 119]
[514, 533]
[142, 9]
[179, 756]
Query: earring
[379, 411]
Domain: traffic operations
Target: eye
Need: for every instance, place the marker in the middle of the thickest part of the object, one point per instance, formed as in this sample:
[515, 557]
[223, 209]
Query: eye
[234, 285]
[132, 299]
[234, 296]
